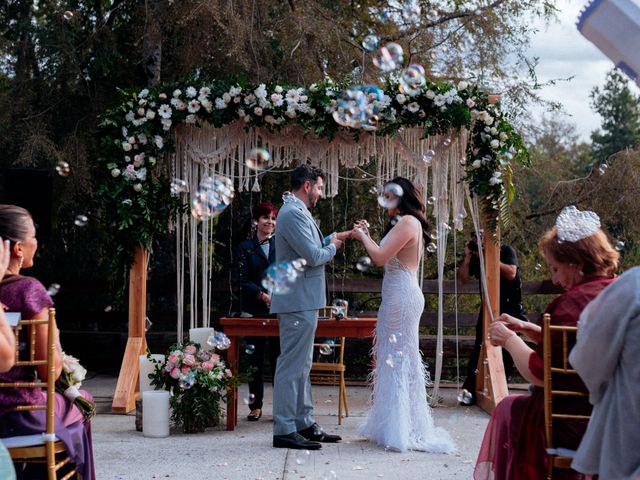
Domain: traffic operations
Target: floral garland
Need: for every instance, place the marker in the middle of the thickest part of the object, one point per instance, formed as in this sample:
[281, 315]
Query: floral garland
[133, 181]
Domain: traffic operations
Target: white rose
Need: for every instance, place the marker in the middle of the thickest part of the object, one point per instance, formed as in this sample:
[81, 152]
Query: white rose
[494, 131]
[278, 89]
[413, 107]
[158, 141]
[462, 85]
[494, 144]
[269, 119]
[226, 97]
[312, 112]
[162, 96]
[313, 87]
[430, 94]
[152, 161]
[151, 114]
[290, 113]
[488, 120]
[115, 173]
[400, 98]
[126, 146]
[143, 93]
[220, 104]
[476, 163]
[137, 187]
[503, 136]
[177, 93]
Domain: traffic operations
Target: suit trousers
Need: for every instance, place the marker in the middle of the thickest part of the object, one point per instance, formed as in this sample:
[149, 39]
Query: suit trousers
[292, 400]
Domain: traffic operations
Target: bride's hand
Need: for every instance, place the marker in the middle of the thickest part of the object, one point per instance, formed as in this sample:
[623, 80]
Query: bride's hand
[360, 229]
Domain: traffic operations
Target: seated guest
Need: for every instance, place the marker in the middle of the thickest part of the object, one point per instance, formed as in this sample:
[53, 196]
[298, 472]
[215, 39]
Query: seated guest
[255, 255]
[580, 259]
[607, 358]
[7, 339]
[29, 297]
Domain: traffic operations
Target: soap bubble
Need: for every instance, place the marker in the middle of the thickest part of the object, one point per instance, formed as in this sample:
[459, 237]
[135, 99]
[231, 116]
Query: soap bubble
[81, 220]
[446, 142]
[300, 264]
[394, 359]
[393, 188]
[248, 400]
[602, 169]
[389, 57]
[187, 380]
[302, 456]
[395, 220]
[363, 264]
[53, 289]
[219, 340]
[147, 324]
[428, 156]
[327, 347]
[465, 397]
[258, 159]
[250, 349]
[412, 79]
[67, 15]
[279, 277]
[178, 186]
[431, 200]
[340, 308]
[108, 308]
[432, 247]
[538, 267]
[213, 196]
[359, 106]
[63, 169]
[434, 235]
[619, 246]
[370, 42]
[393, 338]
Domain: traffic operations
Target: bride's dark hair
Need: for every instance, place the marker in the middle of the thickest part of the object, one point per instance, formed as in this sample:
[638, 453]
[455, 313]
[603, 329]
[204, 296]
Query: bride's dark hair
[410, 203]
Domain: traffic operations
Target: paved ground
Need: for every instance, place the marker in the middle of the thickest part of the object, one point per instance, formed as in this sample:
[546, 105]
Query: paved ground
[246, 453]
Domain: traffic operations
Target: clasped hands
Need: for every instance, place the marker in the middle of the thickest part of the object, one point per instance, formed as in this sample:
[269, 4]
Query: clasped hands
[503, 328]
[359, 231]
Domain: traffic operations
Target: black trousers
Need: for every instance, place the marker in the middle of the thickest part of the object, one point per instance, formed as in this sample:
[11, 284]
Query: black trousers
[262, 345]
[472, 367]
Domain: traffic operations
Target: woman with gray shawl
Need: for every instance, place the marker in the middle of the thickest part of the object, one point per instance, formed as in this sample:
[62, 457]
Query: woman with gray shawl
[607, 357]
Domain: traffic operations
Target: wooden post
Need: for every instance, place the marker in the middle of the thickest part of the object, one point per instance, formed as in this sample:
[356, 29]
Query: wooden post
[491, 384]
[125, 395]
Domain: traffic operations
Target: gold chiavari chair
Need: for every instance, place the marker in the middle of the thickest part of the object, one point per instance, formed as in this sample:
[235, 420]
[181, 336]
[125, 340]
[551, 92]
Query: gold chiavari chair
[572, 390]
[42, 448]
[330, 369]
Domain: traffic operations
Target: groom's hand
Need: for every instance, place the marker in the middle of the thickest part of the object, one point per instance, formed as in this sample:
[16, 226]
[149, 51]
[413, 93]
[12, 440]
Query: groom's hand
[335, 240]
[342, 236]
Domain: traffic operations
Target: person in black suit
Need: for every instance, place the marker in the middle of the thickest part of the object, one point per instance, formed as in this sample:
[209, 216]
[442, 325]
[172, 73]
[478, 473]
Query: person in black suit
[255, 255]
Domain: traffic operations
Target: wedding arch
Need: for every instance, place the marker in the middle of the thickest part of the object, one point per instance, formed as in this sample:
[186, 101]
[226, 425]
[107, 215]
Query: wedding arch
[451, 139]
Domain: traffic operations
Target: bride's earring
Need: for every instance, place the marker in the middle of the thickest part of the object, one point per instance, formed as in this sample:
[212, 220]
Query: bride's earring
[20, 262]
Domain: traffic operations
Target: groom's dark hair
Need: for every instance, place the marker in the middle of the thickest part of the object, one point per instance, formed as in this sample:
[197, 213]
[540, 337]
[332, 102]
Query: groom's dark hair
[303, 173]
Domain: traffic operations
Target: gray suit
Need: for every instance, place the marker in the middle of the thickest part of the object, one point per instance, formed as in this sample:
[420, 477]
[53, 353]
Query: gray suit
[298, 237]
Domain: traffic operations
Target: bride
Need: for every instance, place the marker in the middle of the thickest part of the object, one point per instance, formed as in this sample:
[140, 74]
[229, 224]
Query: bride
[400, 418]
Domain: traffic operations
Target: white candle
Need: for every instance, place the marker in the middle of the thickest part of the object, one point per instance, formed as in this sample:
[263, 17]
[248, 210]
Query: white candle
[200, 335]
[155, 413]
[147, 367]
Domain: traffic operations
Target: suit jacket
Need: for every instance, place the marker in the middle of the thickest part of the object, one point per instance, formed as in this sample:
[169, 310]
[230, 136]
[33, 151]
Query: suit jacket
[253, 265]
[299, 237]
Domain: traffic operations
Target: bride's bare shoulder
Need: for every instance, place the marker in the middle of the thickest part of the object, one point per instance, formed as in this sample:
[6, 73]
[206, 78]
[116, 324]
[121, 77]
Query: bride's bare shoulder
[409, 221]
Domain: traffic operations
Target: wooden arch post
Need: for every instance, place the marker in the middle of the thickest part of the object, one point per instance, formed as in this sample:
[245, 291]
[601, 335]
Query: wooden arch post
[491, 384]
[124, 398]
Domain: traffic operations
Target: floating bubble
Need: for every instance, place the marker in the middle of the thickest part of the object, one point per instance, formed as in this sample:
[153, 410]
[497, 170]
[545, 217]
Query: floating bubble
[412, 79]
[432, 247]
[330, 475]
[393, 188]
[327, 347]
[178, 186]
[300, 264]
[219, 340]
[393, 338]
[394, 359]
[428, 156]
[447, 227]
[302, 456]
[108, 308]
[446, 142]
[370, 43]
[340, 308]
[395, 220]
[249, 349]
[279, 277]
[68, 15]
[465, 397]
[296, 323]
[81, 220]
[619, 246]
[53, 289]
[258, 159]
[63, 169]
[431, 200]
[213, 196]
[374, 190]
[434, 235]
[147, 324]
[602, 169]
[538, 267]
[389, 57]
[359, 106]
[187, 380]
[363, 264]
[248, 400]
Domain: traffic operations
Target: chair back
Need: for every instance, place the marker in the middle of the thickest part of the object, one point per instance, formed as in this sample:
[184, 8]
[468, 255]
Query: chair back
[565, 395]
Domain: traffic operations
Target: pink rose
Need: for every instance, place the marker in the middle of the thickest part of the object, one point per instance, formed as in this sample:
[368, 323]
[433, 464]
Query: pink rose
[185, 369]
[189, 360]
[257, 111]
[173, 359]
[215, 358]
[190, 349]
[236, 100]
[175, 373]
[228, 373]
[141, 112]
[207, 366]
[470, 103]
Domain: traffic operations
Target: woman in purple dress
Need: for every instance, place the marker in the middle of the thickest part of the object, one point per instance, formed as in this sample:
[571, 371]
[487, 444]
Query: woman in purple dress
[7, 340]
[29, 297]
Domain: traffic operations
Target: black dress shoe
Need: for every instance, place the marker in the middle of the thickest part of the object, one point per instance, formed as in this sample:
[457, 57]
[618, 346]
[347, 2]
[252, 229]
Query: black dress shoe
[255, 415]
[316, 434]
[294, 441]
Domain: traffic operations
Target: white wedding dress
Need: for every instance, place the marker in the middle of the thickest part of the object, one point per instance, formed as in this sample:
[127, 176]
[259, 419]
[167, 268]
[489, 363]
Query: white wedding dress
[399, 416]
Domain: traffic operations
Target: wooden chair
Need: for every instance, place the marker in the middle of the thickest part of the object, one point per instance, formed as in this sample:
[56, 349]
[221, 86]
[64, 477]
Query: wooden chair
[329, 369]
[560, 458]
[42, 448]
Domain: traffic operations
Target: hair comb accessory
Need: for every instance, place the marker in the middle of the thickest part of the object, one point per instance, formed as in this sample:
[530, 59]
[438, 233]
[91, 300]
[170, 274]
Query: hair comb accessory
[573, 225]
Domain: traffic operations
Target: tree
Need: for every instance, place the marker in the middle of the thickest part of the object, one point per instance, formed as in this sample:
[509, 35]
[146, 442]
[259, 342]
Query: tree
[618, 107]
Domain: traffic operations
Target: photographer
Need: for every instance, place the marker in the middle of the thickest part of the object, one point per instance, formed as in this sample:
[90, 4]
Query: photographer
[510, 303]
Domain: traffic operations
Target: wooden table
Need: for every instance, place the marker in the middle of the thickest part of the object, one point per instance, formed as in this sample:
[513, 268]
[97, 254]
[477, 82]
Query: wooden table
[235, 328]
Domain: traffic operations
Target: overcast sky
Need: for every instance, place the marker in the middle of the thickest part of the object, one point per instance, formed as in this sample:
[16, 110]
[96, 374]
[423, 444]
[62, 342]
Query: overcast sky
[564, 52]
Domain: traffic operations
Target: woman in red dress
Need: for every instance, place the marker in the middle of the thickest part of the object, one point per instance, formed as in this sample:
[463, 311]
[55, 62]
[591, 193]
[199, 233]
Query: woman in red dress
[581, 260]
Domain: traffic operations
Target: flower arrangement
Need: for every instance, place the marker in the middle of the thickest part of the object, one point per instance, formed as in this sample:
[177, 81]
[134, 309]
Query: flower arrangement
[197, 380]
[134, 185]
[69, 383]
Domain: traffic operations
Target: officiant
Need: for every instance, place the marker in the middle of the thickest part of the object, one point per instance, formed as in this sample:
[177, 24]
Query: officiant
[255, 255]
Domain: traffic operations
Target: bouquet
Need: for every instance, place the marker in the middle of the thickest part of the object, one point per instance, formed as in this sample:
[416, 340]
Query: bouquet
[198, 380]
[69, 383]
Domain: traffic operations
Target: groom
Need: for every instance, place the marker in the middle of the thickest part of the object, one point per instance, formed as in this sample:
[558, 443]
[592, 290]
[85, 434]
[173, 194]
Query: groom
[299, 237]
